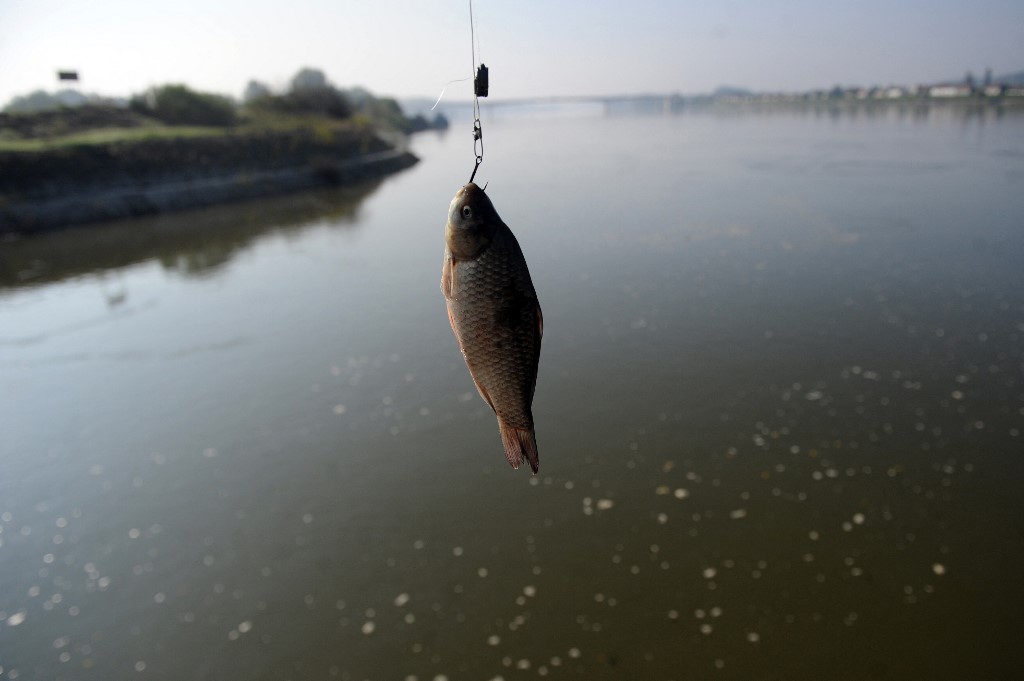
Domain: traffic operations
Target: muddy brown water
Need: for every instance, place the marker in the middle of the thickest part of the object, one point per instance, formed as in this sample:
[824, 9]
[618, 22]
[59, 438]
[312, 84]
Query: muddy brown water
[779, 412]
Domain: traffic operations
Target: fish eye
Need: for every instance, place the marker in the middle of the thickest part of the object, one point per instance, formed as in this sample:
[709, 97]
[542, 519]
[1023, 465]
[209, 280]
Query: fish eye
[467, 212]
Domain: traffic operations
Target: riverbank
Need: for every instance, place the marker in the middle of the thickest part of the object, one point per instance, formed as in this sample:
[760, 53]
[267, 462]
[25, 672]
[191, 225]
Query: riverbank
[65, 185]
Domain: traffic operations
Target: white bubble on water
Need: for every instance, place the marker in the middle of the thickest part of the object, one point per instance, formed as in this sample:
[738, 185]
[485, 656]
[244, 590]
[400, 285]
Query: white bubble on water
[368, 627]
[939, 569]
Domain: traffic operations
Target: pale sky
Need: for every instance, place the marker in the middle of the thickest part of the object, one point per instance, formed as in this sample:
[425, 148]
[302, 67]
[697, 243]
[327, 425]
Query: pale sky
[532, 47]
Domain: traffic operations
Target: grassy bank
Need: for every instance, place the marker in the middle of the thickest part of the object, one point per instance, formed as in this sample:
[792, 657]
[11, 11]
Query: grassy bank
[84, 165]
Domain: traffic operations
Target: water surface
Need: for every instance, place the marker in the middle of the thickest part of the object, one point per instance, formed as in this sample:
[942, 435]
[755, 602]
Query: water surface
[779, 413]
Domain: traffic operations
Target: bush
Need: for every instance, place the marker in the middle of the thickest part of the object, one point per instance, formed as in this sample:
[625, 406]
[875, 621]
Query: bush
[323, 101]
[179, 105]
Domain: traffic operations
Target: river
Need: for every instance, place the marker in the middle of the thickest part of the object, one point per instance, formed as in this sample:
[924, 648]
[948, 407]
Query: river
[779, 415]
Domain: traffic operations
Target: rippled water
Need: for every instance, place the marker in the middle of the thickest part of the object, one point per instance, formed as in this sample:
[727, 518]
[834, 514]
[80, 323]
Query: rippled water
[779, 414]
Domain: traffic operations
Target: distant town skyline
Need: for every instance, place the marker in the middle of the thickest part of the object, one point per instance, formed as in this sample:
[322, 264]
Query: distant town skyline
[407, 48]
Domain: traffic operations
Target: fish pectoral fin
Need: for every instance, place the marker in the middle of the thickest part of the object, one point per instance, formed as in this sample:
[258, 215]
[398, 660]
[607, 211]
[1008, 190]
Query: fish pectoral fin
[447, 276]
[451, 320]
[520, 445]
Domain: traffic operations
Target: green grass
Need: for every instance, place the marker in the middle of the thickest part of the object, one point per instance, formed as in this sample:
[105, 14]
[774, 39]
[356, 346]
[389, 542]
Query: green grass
[109, 136]
[324, 128]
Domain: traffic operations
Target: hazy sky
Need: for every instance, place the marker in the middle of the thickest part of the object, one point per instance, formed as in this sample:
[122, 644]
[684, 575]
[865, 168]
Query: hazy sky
[533, 47]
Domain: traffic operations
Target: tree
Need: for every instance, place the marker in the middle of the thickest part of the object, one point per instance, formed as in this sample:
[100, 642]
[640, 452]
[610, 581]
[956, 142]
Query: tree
[309, 79]
[255, 90]
[179, 105]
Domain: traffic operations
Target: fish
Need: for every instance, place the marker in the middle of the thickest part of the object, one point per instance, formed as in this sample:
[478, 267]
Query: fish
[495, 315]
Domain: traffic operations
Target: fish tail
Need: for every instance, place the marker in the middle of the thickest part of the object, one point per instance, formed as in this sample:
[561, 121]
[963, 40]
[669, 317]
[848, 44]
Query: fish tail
[520, 444]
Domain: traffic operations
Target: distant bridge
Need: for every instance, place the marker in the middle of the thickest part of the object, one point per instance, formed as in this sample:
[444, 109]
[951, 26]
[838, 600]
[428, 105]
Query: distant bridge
[653, 103]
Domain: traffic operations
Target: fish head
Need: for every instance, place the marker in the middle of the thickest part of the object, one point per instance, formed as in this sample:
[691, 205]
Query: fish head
[472, 223]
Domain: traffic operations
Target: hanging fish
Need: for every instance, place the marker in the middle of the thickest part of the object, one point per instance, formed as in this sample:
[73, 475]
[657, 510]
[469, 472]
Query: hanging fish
[494, 313]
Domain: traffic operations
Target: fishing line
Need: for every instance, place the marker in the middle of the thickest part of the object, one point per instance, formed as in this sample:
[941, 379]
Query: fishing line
[480, 86]
[457, 80]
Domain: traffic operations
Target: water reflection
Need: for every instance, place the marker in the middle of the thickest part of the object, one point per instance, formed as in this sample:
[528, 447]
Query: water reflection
[922, 111]
[193, 244]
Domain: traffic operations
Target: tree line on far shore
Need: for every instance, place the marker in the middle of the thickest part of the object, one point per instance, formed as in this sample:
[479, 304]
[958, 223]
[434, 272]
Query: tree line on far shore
[309, 94]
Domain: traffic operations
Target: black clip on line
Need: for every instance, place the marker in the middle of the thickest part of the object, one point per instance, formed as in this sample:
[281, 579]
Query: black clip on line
[480, 86]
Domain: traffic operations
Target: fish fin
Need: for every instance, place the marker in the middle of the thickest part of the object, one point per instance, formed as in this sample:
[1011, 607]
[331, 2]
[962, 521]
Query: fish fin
[451, 320]
[536, 357]
[483, 393]
[520, 445]
[447, 276]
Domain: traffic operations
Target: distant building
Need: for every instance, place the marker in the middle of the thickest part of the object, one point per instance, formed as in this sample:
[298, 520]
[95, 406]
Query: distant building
[948, 91]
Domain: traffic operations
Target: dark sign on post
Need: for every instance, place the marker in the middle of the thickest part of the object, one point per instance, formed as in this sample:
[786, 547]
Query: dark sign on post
[67, 75]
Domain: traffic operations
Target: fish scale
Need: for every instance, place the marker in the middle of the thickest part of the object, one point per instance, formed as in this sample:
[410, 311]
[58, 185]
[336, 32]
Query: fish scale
[499, 356]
